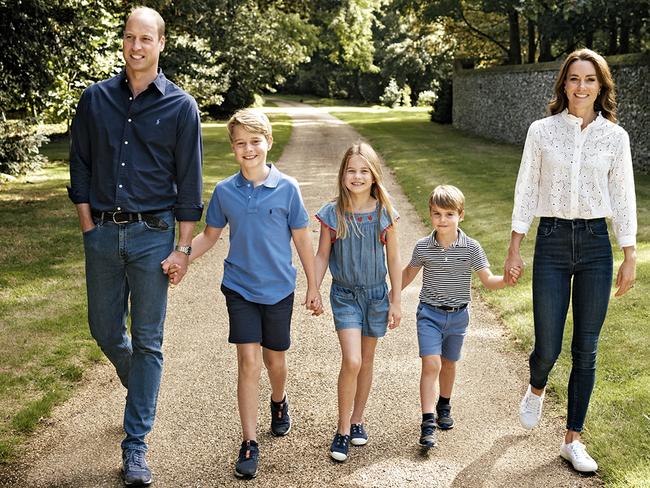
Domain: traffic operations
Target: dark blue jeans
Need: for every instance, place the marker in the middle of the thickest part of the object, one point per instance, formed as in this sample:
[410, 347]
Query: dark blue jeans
[122, 269]
[573, 261]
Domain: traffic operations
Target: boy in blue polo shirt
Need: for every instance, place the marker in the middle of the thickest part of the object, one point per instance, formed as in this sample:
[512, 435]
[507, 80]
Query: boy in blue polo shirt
[448, 257]
[265, 211]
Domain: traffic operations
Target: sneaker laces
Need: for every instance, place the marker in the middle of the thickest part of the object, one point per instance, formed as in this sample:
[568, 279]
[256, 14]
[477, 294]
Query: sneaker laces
[532, 403]
[579, 452]
[428, 426]
[135, 458]
[340, 440]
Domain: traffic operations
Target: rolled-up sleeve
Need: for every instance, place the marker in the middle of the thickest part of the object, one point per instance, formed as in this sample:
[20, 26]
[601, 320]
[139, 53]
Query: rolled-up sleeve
[80, 154]
[189, 156]
[527, 186]
[622, 195]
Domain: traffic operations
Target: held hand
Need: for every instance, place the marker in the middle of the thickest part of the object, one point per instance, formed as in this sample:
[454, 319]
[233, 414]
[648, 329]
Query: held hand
[313, 302]
[175, 266]
[625, 277]
[513, 268]
[394, 316]
[514, 274]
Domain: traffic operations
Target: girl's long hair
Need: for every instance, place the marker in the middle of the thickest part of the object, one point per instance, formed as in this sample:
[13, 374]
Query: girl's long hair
[605, 101]
[378, 191]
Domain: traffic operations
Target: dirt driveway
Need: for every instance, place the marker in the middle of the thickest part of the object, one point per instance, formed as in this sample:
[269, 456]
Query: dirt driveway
[197, 434]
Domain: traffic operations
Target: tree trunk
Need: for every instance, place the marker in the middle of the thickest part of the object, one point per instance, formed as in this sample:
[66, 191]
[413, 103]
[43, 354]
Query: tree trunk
[532, 44]
[624, 40]
[589, 39]
[514, 51]
[613, 33]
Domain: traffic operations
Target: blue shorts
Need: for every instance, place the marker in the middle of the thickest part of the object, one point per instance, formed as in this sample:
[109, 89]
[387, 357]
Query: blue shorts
[268, 325]
[360, 307]
[441, 333]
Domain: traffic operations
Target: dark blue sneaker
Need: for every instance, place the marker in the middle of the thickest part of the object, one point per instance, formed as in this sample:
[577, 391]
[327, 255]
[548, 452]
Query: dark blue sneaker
[428, 437]
[444, 421]
[246, 465]
[358, 435]
[339, 447]
[135, 471]
[280, 420]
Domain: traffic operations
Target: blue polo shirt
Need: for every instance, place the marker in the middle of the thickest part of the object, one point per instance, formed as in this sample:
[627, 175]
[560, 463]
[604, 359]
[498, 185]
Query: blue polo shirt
[258, 265]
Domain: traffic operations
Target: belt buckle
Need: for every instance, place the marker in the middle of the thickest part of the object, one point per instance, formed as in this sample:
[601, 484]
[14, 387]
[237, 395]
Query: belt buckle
[120, 221]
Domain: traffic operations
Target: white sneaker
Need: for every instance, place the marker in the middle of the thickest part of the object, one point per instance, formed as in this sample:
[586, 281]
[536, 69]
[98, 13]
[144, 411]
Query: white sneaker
[530, 409]
[577, 455]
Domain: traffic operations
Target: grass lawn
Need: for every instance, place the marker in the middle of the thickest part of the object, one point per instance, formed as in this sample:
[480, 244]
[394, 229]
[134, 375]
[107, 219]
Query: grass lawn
[423, 155]
[45, 345]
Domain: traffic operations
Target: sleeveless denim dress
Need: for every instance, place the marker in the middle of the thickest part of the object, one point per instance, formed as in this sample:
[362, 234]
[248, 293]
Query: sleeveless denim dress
[359, 294]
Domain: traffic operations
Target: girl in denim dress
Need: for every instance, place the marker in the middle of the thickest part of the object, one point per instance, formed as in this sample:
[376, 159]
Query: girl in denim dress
[359, 297]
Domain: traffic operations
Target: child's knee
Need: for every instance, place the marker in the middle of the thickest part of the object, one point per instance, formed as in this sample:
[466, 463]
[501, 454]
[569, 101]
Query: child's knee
[249, 365]
[275, 363]
[431, 365]
[351, 363]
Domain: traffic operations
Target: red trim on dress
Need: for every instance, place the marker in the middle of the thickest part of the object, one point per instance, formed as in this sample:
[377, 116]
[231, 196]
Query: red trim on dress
[332, 230]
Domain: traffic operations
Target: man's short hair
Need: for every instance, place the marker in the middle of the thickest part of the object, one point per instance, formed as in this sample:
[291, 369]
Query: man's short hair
[160, 22]
[253, 120]
[447, 197]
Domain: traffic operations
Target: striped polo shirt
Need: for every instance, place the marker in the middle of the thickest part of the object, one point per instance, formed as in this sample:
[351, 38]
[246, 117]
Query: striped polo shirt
[447, 274]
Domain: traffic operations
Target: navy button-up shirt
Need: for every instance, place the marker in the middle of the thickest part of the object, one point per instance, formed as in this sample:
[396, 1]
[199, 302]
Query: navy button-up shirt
[137, 154]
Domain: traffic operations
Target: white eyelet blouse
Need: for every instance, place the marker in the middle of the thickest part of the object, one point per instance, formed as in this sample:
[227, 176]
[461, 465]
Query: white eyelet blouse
[571, 173]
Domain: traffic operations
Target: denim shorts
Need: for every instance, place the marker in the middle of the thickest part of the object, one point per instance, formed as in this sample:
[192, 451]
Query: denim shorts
[441, 333]
[267, 325]
[360, 307]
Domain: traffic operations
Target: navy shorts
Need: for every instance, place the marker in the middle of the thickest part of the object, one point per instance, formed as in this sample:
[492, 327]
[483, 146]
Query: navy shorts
[268, 325]
[441, 333]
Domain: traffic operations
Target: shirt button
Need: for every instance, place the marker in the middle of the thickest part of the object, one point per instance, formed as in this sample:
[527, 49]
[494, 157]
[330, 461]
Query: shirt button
[119, 208]
[126, 142]
[129, 120]
[122, 164]
[130, 98]
[119, 186]
[249, 196]
[248, 185]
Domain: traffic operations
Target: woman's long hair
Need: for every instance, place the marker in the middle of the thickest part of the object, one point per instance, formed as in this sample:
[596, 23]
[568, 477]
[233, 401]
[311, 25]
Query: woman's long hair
[605, 101]
[378, 191]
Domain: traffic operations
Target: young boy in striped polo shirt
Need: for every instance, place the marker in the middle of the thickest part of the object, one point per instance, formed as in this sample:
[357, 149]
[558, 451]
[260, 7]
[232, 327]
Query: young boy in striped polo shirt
[448, 257]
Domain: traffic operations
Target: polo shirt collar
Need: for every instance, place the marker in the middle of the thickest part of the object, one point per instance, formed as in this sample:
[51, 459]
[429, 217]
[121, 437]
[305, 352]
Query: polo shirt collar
[461, 240]
[271, 180]
[160, 82]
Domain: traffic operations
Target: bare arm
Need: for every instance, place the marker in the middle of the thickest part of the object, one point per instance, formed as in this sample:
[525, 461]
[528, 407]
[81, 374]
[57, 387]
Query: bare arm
[204, 241]
[513, 259]
[85, 217]
[302, 241]
[626, 275]
[176, 259]
[394, 272]
[323, 254]
[408, 275]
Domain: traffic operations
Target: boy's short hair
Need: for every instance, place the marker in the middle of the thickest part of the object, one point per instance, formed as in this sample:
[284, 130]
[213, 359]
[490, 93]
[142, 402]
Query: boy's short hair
[252, 120]
[447, 197]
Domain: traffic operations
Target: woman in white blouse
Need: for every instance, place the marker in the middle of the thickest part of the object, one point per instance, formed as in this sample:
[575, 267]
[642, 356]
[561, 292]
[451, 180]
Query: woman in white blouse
[575, 171]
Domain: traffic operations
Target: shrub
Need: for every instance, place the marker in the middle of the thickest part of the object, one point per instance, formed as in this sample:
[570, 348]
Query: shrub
[427, 98]
[442, 108]
[394, 96]
[19, 143]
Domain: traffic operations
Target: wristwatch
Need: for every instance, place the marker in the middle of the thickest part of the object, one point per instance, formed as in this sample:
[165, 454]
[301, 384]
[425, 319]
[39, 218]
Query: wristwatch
[184, 249]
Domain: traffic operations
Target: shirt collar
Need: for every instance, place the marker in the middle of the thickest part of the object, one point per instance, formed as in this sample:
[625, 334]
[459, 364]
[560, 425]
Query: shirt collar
[271, 180]
[573, 120]
[461, 240]
[160, 82]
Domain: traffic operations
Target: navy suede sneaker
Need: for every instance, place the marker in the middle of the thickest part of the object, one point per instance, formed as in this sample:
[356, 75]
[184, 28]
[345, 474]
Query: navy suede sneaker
[428, 437]
[246, 465]
[280, 420]
[445, 421]
[358, 435]
[135, 471]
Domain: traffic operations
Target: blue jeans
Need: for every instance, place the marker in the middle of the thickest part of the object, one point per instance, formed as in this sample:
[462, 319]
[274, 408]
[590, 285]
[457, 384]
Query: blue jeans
[122, 267]
[573, 260]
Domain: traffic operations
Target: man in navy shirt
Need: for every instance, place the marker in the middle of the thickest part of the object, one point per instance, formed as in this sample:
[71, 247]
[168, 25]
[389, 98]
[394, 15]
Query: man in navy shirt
[135, 168]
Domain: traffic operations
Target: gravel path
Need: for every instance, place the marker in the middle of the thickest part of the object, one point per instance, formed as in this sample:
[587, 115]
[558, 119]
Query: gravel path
[197, 433]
